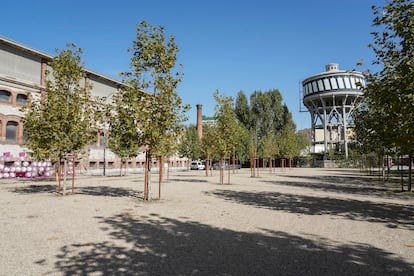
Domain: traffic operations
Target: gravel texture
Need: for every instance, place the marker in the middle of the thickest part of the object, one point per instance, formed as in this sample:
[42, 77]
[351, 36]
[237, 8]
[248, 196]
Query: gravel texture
[289, 222]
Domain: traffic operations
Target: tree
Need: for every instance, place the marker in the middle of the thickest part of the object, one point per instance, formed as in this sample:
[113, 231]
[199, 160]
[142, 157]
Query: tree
[209, 144]
[286, 143]
[228, 128]
[190, 145]
[268, 147]
[64, 120]
[124, 138]
[267, 112]
[242, 110]
[160, 113]
[390, 92]
[265, 118]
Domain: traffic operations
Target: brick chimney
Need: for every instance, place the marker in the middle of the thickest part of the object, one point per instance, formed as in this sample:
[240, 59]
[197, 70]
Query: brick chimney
[199, 124]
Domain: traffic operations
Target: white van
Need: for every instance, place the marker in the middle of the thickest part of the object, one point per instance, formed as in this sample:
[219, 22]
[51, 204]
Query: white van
[198, 165]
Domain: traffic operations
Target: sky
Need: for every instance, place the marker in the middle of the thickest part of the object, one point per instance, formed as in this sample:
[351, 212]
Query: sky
[224, 45]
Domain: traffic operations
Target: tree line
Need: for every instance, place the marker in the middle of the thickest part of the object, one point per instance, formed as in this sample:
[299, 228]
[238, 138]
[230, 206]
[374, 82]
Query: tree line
[261, 127]
[145, 115]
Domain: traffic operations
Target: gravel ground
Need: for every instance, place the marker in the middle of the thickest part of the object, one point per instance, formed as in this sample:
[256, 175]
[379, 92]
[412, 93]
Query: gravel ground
[291, 222]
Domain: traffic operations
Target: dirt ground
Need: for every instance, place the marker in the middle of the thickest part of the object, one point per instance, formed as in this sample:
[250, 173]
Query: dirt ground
[292, 222]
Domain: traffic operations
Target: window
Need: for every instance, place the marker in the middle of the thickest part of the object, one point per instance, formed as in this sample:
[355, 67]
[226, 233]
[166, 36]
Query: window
[92, 165]
[353, 81]
[11, 131]
[310, 88]
[340, 83]
[21, 99]
[5, 96]
[347, 83]
[334, 84]
[326, 83]
[320, 85]
[315, 88]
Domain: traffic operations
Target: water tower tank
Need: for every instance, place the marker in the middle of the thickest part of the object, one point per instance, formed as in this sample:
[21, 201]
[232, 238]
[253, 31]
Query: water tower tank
[331, 97]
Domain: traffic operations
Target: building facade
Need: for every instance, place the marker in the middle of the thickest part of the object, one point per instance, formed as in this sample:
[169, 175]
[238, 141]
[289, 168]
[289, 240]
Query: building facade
[22, 79]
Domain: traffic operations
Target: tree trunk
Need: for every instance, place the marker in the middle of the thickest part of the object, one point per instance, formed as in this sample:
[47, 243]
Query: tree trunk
[207, 165]
[168, 170]
[234, 163]
[410, 171]
[221, 170]
[65, 169]
[73, 176]
[160, 176]
[147, 176]
[228, 173]
[401, 168]
[252, 167]
[58, 175]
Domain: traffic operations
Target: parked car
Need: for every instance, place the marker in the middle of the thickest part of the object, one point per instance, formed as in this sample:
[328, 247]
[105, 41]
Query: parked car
[198, 165]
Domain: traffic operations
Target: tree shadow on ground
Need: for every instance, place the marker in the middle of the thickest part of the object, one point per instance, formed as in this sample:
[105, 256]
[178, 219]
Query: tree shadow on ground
[191, 180]
[109, 191]
[162, 246]
[394, 215]
[89, 190]
[35, 189]
[344, 184]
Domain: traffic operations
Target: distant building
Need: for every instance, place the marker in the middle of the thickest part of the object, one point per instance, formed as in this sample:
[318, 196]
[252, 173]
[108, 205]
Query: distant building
[209, 120]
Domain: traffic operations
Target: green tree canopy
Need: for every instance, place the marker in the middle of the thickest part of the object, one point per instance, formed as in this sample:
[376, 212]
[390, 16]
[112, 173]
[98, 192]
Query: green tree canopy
[390, 92]
[190, 145]
[268, 120]
[158, 114]
[65, 118]
[389, 95]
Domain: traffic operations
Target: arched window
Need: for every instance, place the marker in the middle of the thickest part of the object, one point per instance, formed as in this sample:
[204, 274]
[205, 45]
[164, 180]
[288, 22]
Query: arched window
[5, 96]
[11, 131]
[21, 99]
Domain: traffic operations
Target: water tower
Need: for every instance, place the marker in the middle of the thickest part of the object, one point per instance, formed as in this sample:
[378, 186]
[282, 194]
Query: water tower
[330, 97]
